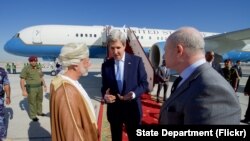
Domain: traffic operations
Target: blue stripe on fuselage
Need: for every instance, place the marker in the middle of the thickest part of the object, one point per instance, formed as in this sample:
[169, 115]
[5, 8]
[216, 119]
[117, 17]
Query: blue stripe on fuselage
[237, 55]
[17, 47]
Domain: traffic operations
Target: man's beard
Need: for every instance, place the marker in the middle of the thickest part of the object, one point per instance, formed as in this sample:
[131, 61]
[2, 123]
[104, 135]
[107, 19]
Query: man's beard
[83, 70]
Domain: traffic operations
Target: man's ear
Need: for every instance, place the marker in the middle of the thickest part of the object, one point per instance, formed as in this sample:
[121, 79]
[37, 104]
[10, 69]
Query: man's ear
[72, 67]
[180, 49]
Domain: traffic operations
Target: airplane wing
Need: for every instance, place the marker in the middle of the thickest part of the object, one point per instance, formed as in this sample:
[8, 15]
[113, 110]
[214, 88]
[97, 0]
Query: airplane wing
[222, 43]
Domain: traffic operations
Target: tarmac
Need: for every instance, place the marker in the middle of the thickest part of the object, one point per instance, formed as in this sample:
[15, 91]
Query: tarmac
[22, 128]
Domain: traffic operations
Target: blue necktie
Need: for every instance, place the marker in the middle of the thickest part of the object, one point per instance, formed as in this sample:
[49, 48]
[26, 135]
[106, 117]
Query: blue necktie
[119, 76]
[175, 84]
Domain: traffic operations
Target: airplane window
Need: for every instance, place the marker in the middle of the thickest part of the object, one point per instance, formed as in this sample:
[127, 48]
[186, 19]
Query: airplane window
[94, 35]
[81, 35]
[141, 37]
[76, 34]
[150, 37]
[90, 35]
[86, 35]
[16, 35]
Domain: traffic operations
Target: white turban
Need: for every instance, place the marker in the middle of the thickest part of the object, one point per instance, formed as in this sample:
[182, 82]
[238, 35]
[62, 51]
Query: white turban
[72, 53]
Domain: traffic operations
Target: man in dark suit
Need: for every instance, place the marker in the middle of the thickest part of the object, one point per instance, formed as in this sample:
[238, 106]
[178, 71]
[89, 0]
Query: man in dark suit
[210, 59]
[163, 76]
[231, 74]
[247, 93]
[124, 79]
[202, 96]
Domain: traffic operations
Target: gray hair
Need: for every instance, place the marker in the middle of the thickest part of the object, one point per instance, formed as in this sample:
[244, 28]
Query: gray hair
[73, 53]
[116, 35]
[189, 37]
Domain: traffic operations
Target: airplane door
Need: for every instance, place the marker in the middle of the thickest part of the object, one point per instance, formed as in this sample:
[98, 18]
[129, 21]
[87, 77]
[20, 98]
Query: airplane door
[36, 37]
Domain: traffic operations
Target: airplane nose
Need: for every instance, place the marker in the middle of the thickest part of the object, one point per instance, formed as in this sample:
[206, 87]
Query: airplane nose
[13, 46]
[7, 46]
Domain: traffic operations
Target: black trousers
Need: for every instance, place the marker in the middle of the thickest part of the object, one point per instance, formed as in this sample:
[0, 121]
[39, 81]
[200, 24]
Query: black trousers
[126, 115]
[165, 88]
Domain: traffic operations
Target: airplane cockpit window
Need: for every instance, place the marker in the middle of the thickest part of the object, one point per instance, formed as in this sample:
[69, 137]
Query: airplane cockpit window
[16, 35]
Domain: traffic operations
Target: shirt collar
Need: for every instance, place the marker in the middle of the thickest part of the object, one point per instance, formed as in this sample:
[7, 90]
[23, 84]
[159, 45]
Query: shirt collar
[190, 69]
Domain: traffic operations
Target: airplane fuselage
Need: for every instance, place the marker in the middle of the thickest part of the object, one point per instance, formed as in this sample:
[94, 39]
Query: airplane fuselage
[45, 41]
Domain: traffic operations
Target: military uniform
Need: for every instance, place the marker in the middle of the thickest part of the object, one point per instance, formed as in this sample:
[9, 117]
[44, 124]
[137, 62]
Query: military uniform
[8, 68]
[13, 68]
[34, 82]
[3, 81]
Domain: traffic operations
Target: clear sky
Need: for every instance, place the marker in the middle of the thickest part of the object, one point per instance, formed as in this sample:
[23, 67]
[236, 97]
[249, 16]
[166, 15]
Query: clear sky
[205, 15]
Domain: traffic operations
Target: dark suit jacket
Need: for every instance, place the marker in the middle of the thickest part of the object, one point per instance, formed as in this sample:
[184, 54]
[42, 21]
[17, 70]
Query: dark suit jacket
[204, 98]
[163, 76]
[217, 67]
[135, 79]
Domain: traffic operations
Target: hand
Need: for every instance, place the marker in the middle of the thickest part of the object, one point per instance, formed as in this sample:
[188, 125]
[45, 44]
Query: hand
[126, 97]
[108, 97]
[7, 100]
[25, 93]
[235, 89]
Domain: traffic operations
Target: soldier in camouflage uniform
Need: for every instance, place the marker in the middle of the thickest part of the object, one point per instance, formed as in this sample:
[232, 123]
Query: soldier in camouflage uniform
[32, 84]
[4, 89]
[231, 74]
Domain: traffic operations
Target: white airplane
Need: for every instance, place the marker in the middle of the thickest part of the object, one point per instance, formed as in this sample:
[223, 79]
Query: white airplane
[45, 41]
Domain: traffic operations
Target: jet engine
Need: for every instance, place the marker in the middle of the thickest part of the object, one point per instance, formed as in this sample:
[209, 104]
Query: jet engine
[156, 54]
